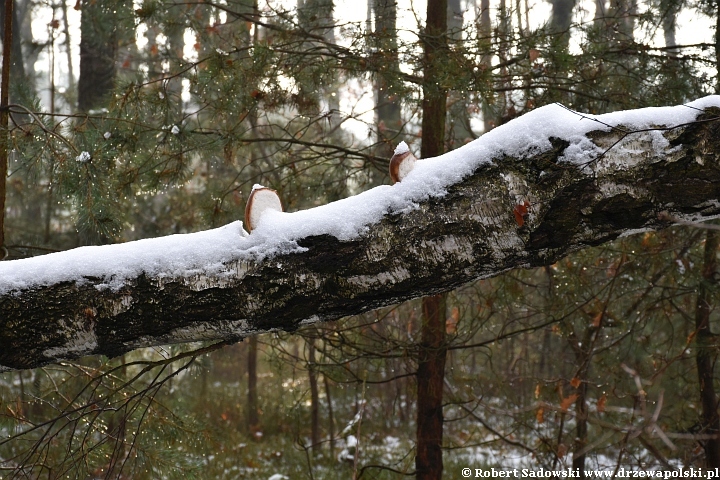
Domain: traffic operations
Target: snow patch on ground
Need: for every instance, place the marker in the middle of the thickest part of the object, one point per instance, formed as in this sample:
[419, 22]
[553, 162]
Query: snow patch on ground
[196, 256]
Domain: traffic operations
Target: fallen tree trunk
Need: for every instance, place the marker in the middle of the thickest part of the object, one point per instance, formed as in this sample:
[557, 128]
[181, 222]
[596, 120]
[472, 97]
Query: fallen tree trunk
[518, 210]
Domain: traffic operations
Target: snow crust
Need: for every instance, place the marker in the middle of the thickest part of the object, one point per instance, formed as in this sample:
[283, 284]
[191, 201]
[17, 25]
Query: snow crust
[401, 148]
[187, 254]
[206, 252]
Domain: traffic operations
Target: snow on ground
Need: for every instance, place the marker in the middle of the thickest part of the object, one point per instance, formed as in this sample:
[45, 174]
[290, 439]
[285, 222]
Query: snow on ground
[206, 252]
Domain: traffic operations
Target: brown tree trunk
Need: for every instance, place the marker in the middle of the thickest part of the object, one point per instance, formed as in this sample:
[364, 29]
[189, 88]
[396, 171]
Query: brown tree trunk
[434, 103]
[253, 420]
[710, 422]
[430, 381]
[432, 352]
[17, 67]
[4, 116]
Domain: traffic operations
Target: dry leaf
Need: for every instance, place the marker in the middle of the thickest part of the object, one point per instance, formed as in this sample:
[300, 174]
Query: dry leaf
[539, 415]
[575, 382]
[562, 450]
[601, 403]
[566, 402]
[520, 211]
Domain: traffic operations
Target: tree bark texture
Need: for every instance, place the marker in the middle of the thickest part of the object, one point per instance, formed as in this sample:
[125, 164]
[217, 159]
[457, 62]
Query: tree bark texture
[17, 68]
[710, 422]
[430, 381]
[434, 105]
[4, 116]
[445, 241]
[433, 350]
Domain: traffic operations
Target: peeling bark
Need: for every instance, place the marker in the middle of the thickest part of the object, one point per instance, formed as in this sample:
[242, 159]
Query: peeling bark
[470, 232]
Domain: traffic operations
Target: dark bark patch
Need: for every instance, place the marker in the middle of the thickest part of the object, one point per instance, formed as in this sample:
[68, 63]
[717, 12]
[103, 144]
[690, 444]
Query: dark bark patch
[563, 217]
[622, 211]
[327, 254]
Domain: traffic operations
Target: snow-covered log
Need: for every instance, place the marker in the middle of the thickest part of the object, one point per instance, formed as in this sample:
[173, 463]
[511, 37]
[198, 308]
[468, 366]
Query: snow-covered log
[525, 194]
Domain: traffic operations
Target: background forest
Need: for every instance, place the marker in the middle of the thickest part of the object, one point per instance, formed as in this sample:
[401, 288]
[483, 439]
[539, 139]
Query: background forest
[135, 120]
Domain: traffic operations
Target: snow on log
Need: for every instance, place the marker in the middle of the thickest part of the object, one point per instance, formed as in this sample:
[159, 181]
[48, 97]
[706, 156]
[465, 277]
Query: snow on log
[525, 194]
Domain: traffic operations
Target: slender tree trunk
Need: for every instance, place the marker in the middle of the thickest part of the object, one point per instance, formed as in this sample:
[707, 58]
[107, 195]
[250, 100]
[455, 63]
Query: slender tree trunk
[21, 408]
[669, 11]
[314, 399]
[434, 103]
[459, 131]
[387, 104]
[23, 9]
[68, 49]
[620, 24]
[252, 398]
[331, 417]
[316, 17]
[600, 13]
[430, 381]
[433, 350]
[17, 68]
[560, 21]
[581, 428]
[717, 45]
[98, 49]
[705, 363]
[485, 28]
[703, 336]
[559, 29]
[4, 117]
[36, 405]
